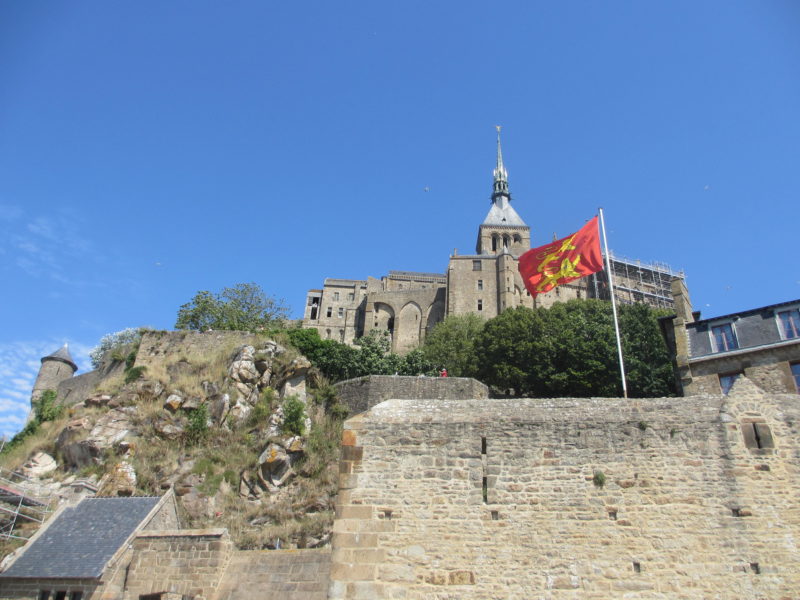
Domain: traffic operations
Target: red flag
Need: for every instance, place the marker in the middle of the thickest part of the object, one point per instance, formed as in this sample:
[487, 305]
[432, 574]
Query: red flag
[562, 261]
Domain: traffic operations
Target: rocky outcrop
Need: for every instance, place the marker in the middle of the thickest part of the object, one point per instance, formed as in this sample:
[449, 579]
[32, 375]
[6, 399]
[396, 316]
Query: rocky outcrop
[39, 465]
[109, 430]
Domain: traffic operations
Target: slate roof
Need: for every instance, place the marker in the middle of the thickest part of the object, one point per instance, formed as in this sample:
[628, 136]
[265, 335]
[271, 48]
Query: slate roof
[63, 355]
[82, 539]
[501, 213]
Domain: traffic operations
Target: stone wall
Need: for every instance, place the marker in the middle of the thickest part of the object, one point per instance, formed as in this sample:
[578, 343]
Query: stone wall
[187, 562]
[77, 389]
[570, 498]
[277, 575]
[156, 345]
[27, 589]
[363, 393]
[767, 367]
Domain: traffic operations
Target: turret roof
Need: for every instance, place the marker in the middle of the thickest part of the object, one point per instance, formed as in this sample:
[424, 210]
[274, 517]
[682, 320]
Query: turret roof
[63, 355]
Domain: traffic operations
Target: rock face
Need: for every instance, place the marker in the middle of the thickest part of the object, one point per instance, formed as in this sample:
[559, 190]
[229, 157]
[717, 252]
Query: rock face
[39, 465]
[109, 428]
[120, 481]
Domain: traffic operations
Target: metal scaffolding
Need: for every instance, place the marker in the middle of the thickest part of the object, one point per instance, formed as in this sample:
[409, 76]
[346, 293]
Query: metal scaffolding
[22, 510]
[636, 282]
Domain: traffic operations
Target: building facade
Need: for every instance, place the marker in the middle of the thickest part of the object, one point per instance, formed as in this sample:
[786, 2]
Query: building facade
[409, 304]
[709, 355]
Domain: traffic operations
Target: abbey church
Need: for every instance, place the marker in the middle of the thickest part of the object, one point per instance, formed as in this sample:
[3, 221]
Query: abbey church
[409, 304]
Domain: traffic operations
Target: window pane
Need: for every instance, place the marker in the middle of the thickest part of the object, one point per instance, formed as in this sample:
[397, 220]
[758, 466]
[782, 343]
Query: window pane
[726, 382]
[790, 323]
[796, 374]
[724, 338]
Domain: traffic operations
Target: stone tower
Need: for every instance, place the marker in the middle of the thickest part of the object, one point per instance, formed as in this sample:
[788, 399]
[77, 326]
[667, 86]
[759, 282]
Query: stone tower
[488, 282]
[502, 229]
[56, 367]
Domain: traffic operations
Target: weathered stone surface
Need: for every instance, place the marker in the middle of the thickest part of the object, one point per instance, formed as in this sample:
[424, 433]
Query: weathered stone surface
[149, 389]
[295, 386]
[475, 499]
[239, 411]
[167, 429]
[296, 370]
[191, 403]
[276, 462]
[39, 465]
[361, 394]
[119, 481]
[109, 430]
[243, 369]
[219, 406]
[97, 400]
[173, 402]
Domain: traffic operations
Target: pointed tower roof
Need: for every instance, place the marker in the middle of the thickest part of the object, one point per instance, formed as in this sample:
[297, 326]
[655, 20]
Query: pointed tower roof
[501, 213]
[63, 355]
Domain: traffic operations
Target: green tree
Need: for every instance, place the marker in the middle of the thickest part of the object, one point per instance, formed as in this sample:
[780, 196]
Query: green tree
[243, 307]
[451, 344]
[569, 349]
[370, 356]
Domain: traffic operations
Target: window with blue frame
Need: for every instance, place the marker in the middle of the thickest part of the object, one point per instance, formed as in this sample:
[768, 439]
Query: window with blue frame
[796, 374]
[726, 381]
[790, 323]
[724, 338]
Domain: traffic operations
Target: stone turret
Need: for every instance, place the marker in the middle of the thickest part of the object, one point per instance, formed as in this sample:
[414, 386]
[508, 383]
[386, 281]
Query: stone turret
[56, 367]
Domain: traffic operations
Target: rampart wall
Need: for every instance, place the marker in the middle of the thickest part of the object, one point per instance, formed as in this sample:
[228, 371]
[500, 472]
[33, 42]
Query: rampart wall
[186, 562]
[77, 389]
[571, 498]
[277, 575]
[156, 345]
[363, 393]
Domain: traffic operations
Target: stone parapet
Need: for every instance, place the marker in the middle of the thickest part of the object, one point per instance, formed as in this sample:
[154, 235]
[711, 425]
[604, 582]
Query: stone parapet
[361, 394]
[277, 575]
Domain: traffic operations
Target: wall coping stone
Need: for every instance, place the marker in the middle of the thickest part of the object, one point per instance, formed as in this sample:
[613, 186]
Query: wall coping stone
[215, 532]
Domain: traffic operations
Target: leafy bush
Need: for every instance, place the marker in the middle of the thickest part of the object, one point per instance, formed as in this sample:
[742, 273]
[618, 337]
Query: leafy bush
[46, 408]
[371, 356]
[113, 343]
[197, 429]
[263, 408]
[599, 479]
[294, 416]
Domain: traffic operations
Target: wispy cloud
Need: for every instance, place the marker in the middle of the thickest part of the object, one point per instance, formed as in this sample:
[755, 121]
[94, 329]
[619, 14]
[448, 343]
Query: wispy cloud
[19, 366]
[43, 246]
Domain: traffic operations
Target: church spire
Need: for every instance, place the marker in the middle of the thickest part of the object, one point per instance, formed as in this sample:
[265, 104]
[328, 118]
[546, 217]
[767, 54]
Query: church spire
[500, 174]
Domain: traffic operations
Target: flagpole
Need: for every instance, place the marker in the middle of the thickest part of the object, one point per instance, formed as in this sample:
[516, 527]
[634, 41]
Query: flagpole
[613, 305]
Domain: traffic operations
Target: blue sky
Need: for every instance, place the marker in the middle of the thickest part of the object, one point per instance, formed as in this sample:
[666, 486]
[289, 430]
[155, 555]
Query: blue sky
[151, 150]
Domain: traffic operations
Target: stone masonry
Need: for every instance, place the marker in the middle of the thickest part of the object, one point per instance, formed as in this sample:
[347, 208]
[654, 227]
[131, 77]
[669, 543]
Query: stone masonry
[571, 498]
[277, 575]
[362, 393]
[186, 562]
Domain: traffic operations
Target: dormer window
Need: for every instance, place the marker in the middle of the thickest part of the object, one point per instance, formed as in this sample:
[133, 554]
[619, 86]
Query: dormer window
[789, 323]
[724, 337]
